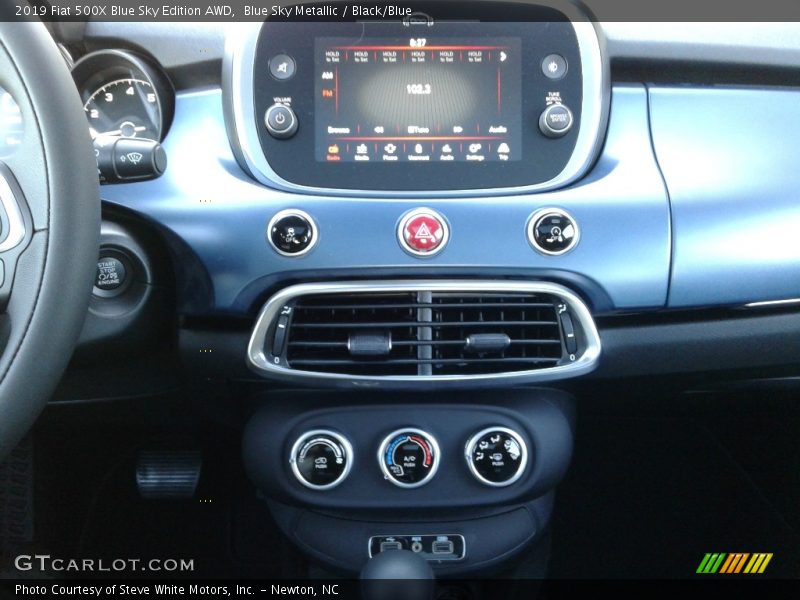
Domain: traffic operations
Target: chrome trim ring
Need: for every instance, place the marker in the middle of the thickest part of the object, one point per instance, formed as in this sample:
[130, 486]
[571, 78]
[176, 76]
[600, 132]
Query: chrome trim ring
[434, 449]
[259, 361]
[401, 226]
[293, 212]
[239, 108]
[348, 452]
[470, 448]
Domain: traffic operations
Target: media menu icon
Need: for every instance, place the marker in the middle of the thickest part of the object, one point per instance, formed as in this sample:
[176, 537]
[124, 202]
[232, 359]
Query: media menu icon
[362, 152]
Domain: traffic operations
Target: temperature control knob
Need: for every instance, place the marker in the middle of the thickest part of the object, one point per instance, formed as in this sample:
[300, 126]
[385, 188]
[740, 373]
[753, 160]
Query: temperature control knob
[497, 456]
[409, 457]
[321, 459]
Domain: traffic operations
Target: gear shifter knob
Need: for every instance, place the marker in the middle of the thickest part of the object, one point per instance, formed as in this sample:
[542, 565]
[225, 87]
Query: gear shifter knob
[397, 575]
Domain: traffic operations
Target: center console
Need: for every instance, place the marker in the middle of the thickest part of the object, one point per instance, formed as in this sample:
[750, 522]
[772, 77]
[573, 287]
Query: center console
[464, 480]
[419, 436]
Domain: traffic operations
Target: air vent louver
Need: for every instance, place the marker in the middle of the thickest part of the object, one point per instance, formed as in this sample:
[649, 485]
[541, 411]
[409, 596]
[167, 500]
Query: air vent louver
[424, 333]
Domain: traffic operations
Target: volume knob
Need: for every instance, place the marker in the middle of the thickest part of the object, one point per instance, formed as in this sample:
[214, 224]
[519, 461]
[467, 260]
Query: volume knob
[281, 121]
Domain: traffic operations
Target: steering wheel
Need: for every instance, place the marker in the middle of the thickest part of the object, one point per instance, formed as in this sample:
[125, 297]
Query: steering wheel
[49, 227]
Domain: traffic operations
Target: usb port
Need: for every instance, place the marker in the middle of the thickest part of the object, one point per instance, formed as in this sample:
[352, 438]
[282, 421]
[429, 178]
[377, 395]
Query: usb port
[442, 547]
[391, 546]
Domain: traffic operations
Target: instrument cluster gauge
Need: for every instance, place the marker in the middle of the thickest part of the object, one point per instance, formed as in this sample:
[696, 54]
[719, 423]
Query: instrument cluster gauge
[124, 95]
[11, 124]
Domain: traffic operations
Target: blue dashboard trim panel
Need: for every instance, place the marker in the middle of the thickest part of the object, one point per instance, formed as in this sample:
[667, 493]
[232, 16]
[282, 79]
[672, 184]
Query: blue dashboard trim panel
[734, 183]
[208, 207]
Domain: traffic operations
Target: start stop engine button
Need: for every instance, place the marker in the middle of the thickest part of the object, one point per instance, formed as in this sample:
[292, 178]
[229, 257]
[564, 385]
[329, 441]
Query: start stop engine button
[113, 274]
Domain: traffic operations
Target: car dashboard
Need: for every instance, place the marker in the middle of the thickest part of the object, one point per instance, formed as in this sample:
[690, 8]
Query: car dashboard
[411, 247]
[655, 236]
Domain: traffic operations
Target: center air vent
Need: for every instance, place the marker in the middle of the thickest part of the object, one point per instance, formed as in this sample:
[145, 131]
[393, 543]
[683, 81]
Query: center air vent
[424, 333]
[408, 331]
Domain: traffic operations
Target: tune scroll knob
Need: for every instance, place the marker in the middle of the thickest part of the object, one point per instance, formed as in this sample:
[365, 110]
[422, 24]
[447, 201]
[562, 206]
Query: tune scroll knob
[555, 121]
[496, 456]
[321, 459]
[409, 457]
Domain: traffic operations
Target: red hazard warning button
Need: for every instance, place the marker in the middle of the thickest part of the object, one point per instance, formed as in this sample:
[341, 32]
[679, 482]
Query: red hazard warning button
[423, 232]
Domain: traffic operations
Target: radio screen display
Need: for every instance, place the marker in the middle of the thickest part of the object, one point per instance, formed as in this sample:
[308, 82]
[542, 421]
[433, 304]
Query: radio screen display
[385, 100]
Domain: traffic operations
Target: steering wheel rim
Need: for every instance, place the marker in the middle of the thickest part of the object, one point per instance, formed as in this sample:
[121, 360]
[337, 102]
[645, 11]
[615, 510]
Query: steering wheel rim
[48, 273]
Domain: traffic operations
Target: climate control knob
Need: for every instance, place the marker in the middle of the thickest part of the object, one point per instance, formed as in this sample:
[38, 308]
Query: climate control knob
[321, 459]
[409, 457]
[496, 456]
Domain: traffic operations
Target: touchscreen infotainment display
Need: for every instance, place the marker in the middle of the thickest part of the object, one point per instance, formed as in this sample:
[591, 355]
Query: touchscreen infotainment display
[414, 99]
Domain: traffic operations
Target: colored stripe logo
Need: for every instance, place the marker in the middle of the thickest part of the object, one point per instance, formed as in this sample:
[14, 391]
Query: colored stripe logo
[733, 563]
